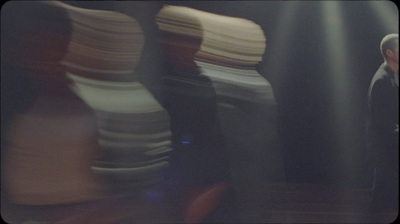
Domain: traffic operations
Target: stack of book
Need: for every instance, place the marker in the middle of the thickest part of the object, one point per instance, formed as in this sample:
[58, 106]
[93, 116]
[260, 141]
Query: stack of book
[134, 129]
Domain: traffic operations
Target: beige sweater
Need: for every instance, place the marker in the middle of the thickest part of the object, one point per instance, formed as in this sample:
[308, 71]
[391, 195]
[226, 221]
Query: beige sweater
[51, 149]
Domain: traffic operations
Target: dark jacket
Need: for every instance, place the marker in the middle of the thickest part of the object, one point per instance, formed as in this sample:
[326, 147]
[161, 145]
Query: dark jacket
[383, 117]
[199, 153]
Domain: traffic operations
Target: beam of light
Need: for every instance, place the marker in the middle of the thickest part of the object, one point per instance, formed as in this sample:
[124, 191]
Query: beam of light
[279, 39]
[284, 32]
[336, 48]
[386, 12]
[339, 64]
[339, 71]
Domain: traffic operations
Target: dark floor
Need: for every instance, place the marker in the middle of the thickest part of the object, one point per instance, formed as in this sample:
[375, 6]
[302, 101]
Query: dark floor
[286, 203]
[308, 203]
[271, 203]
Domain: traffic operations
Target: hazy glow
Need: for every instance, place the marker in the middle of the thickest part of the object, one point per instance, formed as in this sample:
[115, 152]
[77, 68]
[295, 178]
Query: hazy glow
[341, 99]
[387, 13]
[339, 65]
[282, 36]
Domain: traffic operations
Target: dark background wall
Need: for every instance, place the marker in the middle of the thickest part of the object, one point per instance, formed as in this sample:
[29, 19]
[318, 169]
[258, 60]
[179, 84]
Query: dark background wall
[320, 58]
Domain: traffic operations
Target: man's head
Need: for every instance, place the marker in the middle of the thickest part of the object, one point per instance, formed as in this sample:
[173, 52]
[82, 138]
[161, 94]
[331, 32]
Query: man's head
[390, 48]
[35, 38]
[35, 35]
[181, 35]
[180, 50]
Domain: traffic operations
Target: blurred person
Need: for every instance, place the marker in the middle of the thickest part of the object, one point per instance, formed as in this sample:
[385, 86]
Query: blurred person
[190, 100]
[199, 168]
[50, 140]
[382, 127]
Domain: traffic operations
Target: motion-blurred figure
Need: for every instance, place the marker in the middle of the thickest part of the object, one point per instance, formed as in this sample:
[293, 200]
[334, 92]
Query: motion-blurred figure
[52, 143]
[134, 134]
[199, 160]
[242, 100]
[383, 131]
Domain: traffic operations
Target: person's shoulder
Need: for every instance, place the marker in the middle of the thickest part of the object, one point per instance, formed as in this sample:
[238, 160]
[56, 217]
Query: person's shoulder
[382, 73]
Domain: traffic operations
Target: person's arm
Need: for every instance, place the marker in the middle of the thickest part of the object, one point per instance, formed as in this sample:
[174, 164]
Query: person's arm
[381, 97]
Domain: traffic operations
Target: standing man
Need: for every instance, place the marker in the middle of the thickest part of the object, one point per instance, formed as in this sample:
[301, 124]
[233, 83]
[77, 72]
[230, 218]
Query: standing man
[383, 127]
